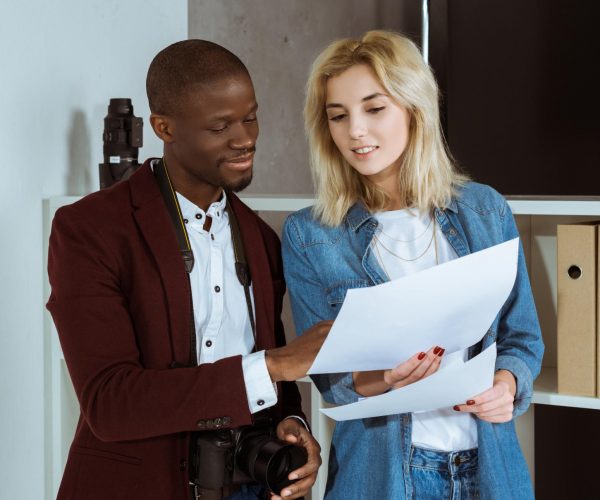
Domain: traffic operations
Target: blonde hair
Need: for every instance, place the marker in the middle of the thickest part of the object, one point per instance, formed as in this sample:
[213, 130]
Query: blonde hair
[427, 177]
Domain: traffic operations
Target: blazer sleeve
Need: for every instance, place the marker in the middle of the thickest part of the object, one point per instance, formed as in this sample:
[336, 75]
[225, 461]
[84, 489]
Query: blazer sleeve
[519, 339]
[121, 399]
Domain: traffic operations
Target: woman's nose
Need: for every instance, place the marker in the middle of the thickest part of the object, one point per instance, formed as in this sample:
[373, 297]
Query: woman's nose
[357, 129]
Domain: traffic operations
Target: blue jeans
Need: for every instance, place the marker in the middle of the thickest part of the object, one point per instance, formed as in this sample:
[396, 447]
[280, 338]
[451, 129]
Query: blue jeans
[249, 492]
[440, 475]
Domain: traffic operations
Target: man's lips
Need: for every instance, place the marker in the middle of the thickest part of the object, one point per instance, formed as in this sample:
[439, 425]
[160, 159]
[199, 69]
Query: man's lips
[239, 162]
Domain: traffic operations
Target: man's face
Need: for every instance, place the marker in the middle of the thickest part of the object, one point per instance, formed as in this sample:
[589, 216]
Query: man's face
[213, 136]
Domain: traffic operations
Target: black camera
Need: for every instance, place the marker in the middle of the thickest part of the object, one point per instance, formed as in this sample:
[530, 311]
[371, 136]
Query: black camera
[122, 138]
[249, 454]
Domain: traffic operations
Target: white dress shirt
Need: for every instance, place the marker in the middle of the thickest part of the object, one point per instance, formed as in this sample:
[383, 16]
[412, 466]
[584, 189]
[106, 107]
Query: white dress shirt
[222, 323]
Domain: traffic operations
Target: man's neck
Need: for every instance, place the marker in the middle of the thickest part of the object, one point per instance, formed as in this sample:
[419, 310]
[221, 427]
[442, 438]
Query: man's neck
[199, 193]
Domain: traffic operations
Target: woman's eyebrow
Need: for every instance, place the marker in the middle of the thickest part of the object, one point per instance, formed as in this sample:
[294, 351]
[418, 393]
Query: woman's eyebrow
[364, 99]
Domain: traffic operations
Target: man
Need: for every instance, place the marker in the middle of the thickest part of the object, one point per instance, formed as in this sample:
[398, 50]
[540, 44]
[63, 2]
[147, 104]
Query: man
[155, 354]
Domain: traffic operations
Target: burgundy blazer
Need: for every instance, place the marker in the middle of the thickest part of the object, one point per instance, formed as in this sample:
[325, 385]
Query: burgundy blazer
[121, 304]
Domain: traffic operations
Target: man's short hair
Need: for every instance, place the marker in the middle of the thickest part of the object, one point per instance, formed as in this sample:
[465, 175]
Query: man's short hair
[180, 67]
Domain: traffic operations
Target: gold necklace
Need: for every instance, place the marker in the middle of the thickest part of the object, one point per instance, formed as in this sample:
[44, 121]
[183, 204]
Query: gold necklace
[407, 241]
[380, 258]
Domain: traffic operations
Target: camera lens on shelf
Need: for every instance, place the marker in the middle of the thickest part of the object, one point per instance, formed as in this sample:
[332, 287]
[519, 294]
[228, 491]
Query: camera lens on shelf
[122, 137]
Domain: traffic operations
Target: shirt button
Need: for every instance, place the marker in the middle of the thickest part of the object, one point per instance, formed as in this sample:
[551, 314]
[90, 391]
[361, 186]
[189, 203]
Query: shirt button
[260, 402]
[217, 289]
[198, 216]
[452, 232]
[208, 343]
[185, 221]
[212, 237]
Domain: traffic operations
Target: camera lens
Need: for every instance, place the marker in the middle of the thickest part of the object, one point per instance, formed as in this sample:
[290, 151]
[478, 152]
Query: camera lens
[269, 461]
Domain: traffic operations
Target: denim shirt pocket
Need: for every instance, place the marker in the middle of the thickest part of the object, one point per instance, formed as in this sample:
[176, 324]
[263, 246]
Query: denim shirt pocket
[336, 293]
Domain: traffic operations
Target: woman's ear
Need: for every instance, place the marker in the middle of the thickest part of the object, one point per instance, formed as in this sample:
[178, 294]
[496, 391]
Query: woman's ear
[162, 126]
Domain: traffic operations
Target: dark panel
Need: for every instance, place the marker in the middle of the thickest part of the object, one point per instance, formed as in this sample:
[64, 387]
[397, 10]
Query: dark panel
[521, 80]
[567, 441]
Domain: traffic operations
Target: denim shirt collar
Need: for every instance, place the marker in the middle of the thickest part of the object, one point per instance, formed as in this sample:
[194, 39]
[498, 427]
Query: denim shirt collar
[358, 214]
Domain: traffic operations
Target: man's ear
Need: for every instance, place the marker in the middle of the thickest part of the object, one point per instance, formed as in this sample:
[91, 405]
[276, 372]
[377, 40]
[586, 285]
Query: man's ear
[163, 127]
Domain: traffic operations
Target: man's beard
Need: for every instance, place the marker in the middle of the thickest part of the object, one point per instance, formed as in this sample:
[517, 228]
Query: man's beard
[239, 185]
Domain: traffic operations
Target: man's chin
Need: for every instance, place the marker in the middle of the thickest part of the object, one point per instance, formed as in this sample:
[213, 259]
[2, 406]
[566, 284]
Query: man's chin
[239, 184]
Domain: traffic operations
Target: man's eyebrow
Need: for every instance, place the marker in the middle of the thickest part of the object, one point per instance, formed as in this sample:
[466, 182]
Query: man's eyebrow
[364, 99]
[227, 115]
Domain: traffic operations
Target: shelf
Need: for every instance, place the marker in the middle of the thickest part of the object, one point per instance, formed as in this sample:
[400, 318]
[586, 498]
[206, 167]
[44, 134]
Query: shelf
[545, 388]
[554, 206]
[519, 205]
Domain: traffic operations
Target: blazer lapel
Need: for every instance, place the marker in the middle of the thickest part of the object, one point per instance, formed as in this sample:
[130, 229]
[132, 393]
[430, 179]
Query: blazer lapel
[260, 272]
[152, 218]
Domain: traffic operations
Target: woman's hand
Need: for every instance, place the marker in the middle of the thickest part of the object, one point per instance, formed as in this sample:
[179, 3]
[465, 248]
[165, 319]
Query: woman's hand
[421, 365]
[496, 404]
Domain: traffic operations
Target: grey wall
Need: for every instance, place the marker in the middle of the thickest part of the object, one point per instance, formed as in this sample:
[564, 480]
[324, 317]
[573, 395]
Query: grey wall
[278, 40]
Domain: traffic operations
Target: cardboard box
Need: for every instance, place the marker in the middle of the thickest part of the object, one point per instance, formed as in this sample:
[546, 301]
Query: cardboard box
[577, 306]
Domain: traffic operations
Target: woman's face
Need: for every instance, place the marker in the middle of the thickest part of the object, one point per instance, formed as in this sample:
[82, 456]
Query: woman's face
[369, 128]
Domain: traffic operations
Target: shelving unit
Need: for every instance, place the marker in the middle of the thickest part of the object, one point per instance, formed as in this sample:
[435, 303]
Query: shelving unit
[537, 219]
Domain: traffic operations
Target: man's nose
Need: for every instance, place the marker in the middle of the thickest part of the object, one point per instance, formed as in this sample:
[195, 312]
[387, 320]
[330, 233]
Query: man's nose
[244, 138]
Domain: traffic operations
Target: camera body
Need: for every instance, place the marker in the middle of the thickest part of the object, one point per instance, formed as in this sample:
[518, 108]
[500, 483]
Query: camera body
[249, 454]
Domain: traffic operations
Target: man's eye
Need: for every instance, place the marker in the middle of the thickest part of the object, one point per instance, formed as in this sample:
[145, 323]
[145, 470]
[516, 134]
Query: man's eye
[218, 129]
[337, 118]
[376, 110]
[250, 119]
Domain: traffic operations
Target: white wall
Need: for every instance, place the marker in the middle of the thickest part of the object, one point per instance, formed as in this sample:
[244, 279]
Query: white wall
[60, 62]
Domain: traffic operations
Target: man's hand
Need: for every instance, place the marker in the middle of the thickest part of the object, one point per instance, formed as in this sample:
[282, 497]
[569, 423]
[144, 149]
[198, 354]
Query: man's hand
[292, 431]
[292, 361]
[496, 404]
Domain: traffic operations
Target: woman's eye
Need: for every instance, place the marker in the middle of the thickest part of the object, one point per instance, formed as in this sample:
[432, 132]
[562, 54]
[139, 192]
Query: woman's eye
[376, 110]
[337, 118]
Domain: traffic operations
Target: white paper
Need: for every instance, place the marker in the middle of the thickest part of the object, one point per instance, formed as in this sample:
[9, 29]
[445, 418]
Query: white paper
[445, 388]
[451, 305]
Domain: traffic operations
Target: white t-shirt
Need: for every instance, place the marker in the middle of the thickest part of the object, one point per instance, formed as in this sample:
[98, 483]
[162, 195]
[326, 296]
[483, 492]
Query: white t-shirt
[410, 236]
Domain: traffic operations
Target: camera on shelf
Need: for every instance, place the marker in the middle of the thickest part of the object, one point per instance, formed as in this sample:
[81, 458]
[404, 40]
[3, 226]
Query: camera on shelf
[123, 136]
[249, 454]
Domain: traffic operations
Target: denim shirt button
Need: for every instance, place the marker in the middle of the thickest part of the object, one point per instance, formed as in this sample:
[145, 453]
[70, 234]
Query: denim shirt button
[452, 232]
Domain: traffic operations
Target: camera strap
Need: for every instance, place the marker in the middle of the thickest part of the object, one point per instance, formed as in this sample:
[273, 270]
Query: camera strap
[241, 266]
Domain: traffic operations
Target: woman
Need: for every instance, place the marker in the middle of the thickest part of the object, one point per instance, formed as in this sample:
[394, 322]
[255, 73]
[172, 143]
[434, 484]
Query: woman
[390, 203]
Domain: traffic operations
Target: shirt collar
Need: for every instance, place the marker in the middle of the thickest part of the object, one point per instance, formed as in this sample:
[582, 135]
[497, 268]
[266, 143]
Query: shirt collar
[195, 217]
[358, 213]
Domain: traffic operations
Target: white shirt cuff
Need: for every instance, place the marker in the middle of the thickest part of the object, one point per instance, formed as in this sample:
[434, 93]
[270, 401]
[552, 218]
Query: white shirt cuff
[302, 421]
[260, 390]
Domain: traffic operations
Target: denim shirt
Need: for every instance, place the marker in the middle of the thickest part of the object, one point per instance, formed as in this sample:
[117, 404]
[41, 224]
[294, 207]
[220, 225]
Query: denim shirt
[369, 457]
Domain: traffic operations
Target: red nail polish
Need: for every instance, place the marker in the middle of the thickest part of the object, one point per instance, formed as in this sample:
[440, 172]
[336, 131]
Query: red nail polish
[441, 353]
[471, 402]
[421, 356]
[437, 350]
[456, 408]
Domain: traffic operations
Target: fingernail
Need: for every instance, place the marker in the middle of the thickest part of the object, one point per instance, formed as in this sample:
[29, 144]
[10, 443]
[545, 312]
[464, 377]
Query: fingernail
[456, 408]
[440, 354]
[421, 355]
[471, 402]
[437, 350]
[286, 493]
[293, 476]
